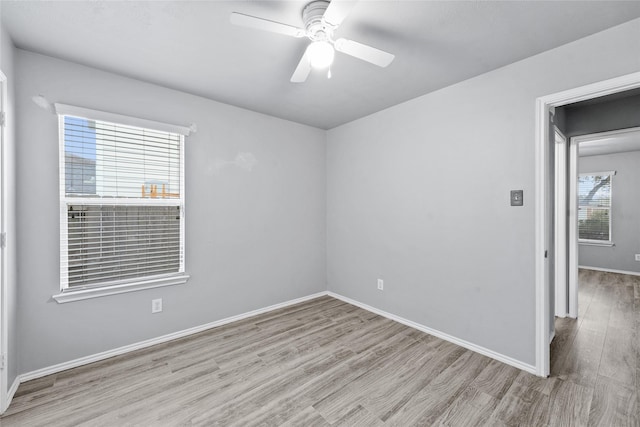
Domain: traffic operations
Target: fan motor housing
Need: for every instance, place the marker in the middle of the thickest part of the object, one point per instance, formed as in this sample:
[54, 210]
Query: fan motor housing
[312, 14]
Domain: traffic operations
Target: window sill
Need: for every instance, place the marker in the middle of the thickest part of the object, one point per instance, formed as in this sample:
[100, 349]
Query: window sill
[596, 243]
[71, 295]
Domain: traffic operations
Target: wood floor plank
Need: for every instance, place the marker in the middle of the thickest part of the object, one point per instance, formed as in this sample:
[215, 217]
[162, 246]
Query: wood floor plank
[622, 310]
[431, 402]
[582, 361]
[95, 402]
[522, 406]
[619, 356]
[472, 408]
[387, 403]
[317, 387]
[181, 401]
[614, 404]
[363, 342]
[495, 379]
[239, 400]
[97, 386]
[533, 382]
[358, 416]
[307, 417]
[373, 387]
[596, 318]
[587, 288]
[566, 330]
[339, 403]
[36, 385]
[570, 404]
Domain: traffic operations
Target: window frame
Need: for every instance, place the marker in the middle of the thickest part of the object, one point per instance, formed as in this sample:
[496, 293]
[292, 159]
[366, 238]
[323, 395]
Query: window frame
[80, 292]
[596, 242]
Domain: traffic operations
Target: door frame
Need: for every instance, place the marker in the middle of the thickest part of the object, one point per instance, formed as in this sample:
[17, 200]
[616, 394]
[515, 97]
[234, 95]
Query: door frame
[572, 224]
[543, 220]
[3, 250]
[560, 224]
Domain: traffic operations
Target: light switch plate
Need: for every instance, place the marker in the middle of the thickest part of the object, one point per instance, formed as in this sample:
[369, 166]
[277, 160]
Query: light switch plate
[517, 198]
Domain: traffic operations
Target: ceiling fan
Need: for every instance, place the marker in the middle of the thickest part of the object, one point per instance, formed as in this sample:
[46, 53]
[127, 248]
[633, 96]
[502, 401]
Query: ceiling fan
[321, 18]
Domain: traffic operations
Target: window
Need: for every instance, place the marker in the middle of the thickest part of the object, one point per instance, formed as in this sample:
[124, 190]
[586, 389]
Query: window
[121, 204]
[594, 207]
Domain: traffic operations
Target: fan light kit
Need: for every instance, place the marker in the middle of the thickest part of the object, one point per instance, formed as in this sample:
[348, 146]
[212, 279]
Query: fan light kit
[320, 54]
[321, 18]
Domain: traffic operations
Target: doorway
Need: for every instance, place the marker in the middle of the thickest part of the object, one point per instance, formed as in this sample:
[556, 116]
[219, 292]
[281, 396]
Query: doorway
[545, 239]
[596, 235]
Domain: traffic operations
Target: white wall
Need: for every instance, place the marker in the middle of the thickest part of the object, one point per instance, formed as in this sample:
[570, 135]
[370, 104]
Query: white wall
[254, 238]
[418, 195]
[625, 213]
[7, 53]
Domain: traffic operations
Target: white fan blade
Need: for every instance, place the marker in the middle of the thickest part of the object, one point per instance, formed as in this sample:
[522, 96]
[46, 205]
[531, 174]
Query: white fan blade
[302, 70]
[266, 25]
[366, 53]
[337, 11]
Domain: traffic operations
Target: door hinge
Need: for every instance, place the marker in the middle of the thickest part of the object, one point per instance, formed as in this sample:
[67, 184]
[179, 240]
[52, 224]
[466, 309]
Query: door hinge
[3, 359]
[3, 239]
[3, 118]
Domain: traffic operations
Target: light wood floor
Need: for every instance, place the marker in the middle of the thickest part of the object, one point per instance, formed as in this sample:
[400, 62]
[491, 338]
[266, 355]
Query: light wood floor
[325, 362]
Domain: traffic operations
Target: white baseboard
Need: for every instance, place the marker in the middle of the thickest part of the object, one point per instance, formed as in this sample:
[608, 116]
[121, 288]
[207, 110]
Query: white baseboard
[462, 343]
[158, 340]
[610, 270]
[11, 392]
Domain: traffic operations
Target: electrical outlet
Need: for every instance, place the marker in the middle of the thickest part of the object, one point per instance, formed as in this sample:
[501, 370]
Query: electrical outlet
[380, 284]
[637, 257]
[156, 305]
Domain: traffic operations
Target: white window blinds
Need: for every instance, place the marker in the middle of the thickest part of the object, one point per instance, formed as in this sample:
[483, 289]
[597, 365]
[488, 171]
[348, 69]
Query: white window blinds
[122, 202]
[594, 206]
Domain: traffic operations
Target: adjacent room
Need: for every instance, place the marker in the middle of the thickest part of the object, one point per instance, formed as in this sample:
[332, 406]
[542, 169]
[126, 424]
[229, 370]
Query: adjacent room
[300, 213]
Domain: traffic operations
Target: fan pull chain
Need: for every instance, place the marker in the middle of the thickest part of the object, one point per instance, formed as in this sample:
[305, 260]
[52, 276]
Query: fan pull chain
[329, 73]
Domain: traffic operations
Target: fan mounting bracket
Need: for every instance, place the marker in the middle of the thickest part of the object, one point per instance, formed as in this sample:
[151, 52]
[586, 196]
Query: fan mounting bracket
[317, 29]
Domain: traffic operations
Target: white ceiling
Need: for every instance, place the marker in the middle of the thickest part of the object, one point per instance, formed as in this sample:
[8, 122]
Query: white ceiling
[191, 46]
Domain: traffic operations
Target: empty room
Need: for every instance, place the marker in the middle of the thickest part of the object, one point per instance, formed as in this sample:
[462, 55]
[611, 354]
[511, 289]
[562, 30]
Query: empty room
[319, 213]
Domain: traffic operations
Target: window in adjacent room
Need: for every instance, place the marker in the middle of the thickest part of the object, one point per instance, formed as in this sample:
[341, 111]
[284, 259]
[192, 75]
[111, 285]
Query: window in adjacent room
[594, 208]
[121, 204]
